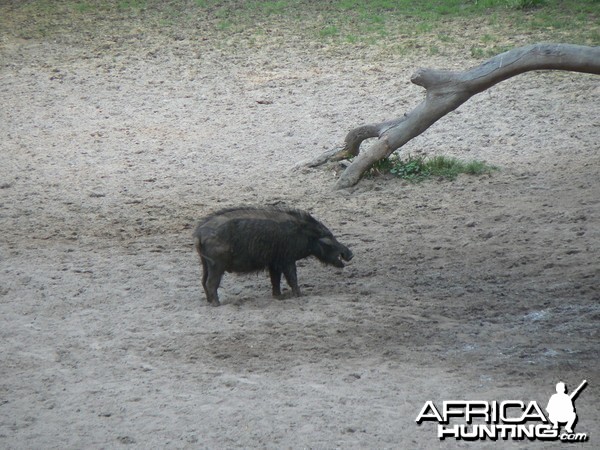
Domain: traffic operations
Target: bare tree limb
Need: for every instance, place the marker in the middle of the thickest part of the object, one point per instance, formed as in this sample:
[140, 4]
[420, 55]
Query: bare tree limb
[446, 91]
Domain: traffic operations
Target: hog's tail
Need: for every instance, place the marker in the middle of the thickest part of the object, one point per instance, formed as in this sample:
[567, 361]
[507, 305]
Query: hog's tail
[198, 246]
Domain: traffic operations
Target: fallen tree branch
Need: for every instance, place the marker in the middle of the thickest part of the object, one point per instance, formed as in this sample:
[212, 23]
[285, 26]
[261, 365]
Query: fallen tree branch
[446, 91]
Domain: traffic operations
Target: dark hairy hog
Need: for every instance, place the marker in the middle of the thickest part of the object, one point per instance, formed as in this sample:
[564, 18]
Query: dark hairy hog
[251, 239]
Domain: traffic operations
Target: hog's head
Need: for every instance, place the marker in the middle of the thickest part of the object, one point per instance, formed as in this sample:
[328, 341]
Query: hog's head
[330, 251]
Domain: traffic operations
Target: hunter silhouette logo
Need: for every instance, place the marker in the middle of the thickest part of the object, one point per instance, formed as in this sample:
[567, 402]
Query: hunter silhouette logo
[560, 406]
[509, 419]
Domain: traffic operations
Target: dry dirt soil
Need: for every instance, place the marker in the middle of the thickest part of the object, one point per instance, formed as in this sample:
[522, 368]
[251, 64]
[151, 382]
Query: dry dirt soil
[112, 148]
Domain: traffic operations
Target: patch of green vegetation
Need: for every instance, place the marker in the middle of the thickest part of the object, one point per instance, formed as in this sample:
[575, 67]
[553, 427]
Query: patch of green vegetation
[381, 21]
[83, 7]
[524, 4]
[478, 52]
[277, 7]
[224, 25]
[351, 38]
[436, 25]
[434, 50]
[132, 4]
[418, 168]
[329, 31]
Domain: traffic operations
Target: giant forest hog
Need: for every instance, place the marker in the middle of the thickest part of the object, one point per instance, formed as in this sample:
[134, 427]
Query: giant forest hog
[251, 239]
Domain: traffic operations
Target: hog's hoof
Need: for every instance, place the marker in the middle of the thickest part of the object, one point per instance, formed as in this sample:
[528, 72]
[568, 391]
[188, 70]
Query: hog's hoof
[286, 295]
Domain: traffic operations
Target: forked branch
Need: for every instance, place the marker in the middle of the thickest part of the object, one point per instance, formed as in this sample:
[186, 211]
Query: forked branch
[446, 91]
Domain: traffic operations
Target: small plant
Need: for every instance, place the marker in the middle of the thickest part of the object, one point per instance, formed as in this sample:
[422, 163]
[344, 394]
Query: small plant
[224, 24]
[524, 4]
[329, 31]
[450, 168]
[414, 168]
[419, 168]
[477, 52]
[132, 4]
[83, 7]
[434, 50]
[277, 7]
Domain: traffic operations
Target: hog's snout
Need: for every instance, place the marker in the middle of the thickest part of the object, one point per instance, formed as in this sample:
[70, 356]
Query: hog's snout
[344, 254]
[347, 255]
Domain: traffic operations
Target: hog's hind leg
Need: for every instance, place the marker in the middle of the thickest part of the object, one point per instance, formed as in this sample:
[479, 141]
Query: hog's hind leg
[204, 265]
[211, 279]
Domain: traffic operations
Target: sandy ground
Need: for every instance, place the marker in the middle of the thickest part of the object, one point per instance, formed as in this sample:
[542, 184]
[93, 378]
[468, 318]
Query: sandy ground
[482, 288]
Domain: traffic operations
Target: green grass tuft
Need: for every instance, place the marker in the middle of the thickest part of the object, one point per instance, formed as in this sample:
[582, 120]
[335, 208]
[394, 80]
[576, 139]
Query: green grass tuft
[419, 168]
